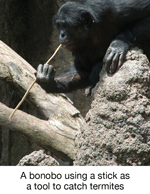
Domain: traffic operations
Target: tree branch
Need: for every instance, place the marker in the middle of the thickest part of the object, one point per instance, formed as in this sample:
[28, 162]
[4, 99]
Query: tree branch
[50, 134]
[62, 119]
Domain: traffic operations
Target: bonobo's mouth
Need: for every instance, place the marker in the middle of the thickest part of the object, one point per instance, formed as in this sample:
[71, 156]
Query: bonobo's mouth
[69, 46]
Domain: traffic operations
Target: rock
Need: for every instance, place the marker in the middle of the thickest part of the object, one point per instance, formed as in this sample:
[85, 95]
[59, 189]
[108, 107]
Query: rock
[38, 158]
[117, 130]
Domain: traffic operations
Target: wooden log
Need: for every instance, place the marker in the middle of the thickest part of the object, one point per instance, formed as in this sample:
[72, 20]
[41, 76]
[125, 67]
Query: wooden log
[60, 115]
[51, 135]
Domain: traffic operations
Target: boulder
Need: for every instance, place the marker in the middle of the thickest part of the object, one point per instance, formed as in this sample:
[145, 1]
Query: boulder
[38, 158]
[117, 129]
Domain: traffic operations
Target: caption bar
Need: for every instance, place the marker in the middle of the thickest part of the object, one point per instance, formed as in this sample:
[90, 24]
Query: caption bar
[58, 179]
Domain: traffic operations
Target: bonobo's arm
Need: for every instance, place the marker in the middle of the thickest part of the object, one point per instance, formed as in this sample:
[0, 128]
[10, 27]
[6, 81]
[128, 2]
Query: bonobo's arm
[116, 52]
[70, 80]
[137, 35]
[131, 14]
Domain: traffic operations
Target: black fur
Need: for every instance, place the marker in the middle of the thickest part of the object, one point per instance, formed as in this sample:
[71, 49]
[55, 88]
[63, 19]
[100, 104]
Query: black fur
[97, 32]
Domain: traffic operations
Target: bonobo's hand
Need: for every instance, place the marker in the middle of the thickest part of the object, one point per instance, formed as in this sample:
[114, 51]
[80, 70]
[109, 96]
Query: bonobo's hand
[115, 55]
[45, 74]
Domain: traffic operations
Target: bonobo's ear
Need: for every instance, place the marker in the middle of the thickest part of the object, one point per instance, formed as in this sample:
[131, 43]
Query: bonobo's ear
[87, 18]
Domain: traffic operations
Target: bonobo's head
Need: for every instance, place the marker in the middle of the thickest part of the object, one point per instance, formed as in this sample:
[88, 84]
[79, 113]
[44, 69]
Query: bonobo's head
[74, 22]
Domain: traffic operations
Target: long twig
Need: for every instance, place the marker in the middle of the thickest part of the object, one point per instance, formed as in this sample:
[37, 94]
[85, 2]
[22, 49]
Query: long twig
[54, 54]
[27, 92]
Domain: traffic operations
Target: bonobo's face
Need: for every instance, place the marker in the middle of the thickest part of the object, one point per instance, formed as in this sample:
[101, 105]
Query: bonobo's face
[73, 23]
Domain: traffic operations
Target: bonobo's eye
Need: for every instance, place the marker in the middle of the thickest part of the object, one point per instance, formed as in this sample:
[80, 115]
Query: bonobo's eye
[86, 18]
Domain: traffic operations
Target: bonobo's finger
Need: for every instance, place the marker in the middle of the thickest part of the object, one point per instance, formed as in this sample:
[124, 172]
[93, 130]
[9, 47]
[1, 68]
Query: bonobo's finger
[40, 68]
[51, 71]
[35, 73]
[109, 61]
[106, 55]
[121, 60]
[114, 64]
[45, 69]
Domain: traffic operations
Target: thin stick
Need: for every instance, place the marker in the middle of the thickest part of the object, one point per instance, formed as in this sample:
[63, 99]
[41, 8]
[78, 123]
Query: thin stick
[27, 92]
[12, 114]
[54, 54]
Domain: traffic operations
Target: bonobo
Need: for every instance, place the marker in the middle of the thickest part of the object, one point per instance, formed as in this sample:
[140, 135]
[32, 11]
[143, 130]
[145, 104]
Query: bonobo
[97, 32]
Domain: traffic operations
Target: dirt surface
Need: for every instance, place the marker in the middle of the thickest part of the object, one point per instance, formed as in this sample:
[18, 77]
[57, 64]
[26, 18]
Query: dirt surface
[117, 130]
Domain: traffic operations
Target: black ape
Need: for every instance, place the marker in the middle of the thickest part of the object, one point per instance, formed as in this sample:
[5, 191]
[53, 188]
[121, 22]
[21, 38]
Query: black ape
[97, 32]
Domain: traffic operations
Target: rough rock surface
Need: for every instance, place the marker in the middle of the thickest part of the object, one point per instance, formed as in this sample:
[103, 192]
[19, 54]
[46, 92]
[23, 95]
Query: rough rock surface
[117, 130]
[38, 158]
